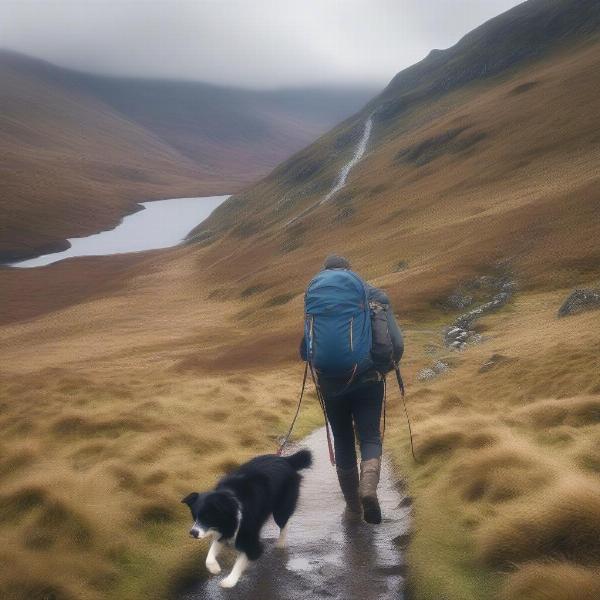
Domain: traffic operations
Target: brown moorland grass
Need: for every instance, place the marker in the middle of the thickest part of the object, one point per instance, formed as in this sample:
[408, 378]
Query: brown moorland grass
[103, 428]
[556, 580]
[523, 502]
[103, 421]
[90, 508]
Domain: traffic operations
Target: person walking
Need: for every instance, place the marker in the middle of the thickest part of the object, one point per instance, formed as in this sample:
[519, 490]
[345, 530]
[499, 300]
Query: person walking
[351, 339]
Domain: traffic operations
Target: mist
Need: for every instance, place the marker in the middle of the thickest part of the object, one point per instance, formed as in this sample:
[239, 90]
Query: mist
[260, 44]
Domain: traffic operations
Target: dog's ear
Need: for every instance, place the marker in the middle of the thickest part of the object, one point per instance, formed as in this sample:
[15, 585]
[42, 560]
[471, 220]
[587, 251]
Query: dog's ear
[190, 499]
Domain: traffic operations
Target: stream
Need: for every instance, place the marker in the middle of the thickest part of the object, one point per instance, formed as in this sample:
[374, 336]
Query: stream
[161, 224]
[358, 154]
[326, 557]
[344, 171]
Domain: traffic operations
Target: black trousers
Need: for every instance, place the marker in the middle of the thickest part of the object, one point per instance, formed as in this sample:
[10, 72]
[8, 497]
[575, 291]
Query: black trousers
[358, 409]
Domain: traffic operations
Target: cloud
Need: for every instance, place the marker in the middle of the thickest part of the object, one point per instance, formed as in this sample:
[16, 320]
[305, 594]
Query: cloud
[260, 43]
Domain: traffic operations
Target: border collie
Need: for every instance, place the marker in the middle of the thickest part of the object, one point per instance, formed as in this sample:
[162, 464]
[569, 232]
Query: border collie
[236, 510]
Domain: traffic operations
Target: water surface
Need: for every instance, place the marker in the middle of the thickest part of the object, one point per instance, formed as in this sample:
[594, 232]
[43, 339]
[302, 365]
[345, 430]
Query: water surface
[161, 224]
[358, 154]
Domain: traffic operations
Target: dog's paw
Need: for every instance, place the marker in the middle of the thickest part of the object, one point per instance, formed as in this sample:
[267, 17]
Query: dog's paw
[213, 567]
[281, 542]
[228, 582]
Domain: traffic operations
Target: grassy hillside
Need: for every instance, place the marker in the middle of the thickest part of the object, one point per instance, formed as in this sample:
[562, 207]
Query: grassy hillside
[237, 134]
[141, 377]
[79, 151]
[506, 491]
[70, 165]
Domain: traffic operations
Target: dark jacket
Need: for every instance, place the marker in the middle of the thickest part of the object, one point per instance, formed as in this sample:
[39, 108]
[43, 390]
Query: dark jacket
[375, 295]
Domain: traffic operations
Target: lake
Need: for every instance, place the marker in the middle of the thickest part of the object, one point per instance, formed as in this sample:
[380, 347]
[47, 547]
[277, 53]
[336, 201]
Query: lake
[161, 224]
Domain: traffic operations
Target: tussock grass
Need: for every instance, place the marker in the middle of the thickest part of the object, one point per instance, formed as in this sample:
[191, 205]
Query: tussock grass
[564, 523]
[448, 441]
[115, 437]
[91, 507]
[497, 475]
[574, 412]
[17, 504]
[505, 519]
[553, 581]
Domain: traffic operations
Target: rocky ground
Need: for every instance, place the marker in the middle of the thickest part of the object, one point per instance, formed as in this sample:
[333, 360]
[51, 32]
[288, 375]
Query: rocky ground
[485, 294]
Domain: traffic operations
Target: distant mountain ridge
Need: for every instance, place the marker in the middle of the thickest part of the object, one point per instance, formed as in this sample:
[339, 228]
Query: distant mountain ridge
[66, 137]
[465, 166]
[527, 31]
[524, 34]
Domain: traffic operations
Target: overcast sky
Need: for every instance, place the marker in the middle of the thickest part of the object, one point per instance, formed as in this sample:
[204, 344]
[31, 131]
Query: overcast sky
[253, 43]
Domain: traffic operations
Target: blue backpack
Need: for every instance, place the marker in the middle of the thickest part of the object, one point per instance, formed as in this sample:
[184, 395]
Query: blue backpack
[337, 326]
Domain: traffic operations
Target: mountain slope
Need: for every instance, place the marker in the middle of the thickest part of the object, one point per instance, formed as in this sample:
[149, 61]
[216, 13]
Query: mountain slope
[78, 151]
[70, 165]
[456, 178]
[238, 134]
[484, 159]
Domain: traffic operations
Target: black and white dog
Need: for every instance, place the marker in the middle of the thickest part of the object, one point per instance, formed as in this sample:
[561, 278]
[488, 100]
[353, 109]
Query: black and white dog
[236, 510]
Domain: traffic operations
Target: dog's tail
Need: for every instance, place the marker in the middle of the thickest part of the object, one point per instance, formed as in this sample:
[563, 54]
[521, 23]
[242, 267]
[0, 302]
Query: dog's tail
[300, 460]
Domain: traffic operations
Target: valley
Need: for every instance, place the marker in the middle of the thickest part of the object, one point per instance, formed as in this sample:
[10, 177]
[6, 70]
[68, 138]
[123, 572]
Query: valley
[127, 379]
[79, 151]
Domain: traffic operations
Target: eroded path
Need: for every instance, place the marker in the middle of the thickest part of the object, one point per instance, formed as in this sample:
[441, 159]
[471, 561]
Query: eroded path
[326, 557]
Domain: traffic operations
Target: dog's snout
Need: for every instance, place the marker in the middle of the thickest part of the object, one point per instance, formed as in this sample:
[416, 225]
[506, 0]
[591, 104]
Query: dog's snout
[194, 533]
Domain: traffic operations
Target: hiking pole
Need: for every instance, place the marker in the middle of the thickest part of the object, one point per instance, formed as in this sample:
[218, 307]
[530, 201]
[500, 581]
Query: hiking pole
[289, 433]
[401, 386]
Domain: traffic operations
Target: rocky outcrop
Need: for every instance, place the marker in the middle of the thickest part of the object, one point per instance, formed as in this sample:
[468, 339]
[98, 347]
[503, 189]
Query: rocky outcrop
[459, 301]
[579, 301]
[458, 335]
[461, 334]
[438, 368]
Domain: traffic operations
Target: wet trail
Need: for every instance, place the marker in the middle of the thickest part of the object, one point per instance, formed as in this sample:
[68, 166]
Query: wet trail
[326, 557]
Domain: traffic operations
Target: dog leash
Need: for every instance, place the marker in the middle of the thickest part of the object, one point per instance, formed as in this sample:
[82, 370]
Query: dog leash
[289, 433]
[327, 426]
[321, 402]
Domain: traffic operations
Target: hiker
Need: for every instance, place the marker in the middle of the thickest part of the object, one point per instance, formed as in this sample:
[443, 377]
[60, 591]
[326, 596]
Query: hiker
[351, 339]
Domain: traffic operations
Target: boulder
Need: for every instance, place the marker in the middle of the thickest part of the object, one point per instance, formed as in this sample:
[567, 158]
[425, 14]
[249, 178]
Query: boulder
[458, 301]
[426, 375]
[440, 367]
[492, 361]
[579, 301]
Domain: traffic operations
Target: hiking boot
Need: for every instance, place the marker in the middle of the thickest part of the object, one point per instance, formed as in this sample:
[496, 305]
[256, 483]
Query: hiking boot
[348, 479]
[369, 479]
